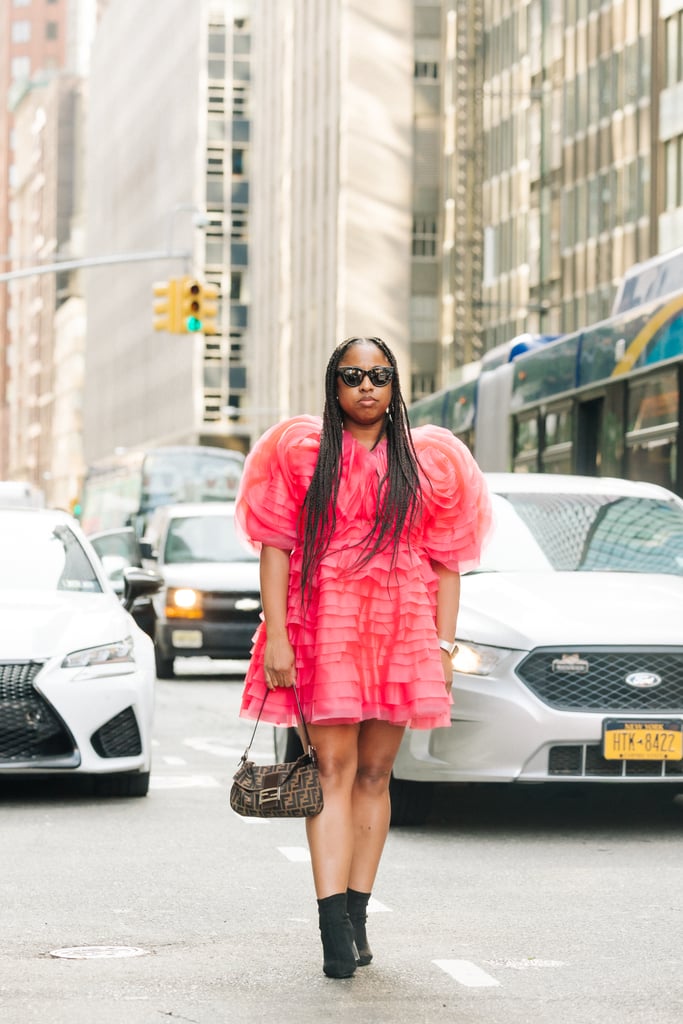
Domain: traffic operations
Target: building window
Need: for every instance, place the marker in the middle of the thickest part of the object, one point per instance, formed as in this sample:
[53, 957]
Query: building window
[426, 69]
[21, 68]
[51, 30]
[673, 163]
[424, 236]
[674, 49]
[21, 31]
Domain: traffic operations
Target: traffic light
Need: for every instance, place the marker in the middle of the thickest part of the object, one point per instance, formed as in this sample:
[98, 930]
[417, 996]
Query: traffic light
[184, 305]
[190, 305]
[209, 308]
[166, 306]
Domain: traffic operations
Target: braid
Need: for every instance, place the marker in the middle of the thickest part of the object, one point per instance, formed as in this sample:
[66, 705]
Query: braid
[399, 496]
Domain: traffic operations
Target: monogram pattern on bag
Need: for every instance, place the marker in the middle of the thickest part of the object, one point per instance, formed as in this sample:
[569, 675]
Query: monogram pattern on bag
[287, 790]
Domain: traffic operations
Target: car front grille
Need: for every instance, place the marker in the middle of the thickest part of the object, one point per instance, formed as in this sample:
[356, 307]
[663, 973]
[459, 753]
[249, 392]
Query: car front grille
[119, 737]
[594, 678]
[585, 761]
[30, 729]
[219, 606]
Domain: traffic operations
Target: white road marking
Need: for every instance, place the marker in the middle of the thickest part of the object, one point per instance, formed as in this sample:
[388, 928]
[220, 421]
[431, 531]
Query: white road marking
[174, 760]
[184, 782]
[254, 821]
[529, 963]
[213, 746]
[375, 907]
[297, 854]
[466, 973]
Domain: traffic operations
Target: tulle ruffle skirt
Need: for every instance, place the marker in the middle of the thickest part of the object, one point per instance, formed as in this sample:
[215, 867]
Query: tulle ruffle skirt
[365, 645]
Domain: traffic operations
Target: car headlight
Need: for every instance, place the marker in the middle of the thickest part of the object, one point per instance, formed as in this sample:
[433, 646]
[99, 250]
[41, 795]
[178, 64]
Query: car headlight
[184, 603]
[107, 654]
[476, 659]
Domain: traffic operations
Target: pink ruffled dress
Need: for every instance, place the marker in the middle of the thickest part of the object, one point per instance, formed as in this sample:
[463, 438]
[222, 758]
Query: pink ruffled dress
[366, 644]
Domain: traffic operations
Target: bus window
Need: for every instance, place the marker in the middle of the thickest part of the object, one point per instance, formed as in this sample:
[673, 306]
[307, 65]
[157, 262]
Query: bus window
[525, 458]
[556, 456]
[124, 490]
[459, 410]
[545, 371]
[652, 429]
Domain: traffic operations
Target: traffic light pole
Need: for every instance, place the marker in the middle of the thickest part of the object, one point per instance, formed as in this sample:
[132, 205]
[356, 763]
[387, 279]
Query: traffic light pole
[93, 261]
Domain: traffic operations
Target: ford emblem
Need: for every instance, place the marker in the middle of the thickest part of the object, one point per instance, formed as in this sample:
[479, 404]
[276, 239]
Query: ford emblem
[643, 680]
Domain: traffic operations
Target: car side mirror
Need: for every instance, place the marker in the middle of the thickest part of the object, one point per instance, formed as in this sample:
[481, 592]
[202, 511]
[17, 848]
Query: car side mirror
[147, 550]
[114, 567]
[139, 583]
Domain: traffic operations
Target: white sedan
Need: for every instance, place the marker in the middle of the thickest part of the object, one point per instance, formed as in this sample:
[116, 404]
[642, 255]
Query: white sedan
[76, 673]
[570, 634]
[570, 660]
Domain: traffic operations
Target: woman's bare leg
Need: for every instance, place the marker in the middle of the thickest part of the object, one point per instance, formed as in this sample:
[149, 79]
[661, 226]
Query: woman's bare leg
[378, 744]
[331, 833]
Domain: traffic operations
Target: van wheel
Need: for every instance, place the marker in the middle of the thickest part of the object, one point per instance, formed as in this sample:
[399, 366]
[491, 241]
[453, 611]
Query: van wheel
[411, 801]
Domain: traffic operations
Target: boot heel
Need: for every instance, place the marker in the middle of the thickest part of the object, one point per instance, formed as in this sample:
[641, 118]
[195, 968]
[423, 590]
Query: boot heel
[357, 904]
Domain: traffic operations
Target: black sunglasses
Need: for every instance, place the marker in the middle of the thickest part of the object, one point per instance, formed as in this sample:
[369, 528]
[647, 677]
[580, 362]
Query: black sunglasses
[353, 376]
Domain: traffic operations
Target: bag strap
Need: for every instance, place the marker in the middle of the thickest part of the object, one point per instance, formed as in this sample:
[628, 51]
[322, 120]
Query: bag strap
[258, 719]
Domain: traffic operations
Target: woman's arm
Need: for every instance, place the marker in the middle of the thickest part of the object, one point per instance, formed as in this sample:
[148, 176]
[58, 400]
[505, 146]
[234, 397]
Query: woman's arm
[278, 659]
[447, 604]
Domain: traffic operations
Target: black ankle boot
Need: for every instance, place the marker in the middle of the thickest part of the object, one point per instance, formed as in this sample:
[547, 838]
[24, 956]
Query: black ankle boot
[336, 931]
[357, 906]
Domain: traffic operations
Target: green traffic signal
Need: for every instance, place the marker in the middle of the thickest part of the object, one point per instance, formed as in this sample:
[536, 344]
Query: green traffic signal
[193, 323]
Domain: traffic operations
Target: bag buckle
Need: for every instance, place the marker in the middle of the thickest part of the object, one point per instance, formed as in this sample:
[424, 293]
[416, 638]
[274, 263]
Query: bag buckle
[267, 796]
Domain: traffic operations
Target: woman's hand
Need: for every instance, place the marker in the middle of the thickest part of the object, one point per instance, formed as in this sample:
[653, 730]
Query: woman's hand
[447, 666]
[278, 663]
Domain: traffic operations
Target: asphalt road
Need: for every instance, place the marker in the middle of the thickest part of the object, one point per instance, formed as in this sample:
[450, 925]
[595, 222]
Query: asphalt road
[508, 907]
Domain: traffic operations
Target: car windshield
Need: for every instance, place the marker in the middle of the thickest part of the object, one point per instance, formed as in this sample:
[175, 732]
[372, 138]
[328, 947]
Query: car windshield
[584, 533]
[36, 556]
[204, 539]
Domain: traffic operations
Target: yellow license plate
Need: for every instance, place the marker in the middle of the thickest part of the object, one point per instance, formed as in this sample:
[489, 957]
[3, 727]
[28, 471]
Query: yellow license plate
[642, 741]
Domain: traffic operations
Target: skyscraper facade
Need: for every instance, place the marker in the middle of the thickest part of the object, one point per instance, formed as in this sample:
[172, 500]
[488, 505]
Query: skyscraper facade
[32, 46]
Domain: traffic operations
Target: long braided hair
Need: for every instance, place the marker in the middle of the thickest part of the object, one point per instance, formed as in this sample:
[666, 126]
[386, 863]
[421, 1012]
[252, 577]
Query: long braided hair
[399, 498]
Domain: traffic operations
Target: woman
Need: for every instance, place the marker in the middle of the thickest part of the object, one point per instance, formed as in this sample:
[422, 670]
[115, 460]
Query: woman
[363, 529]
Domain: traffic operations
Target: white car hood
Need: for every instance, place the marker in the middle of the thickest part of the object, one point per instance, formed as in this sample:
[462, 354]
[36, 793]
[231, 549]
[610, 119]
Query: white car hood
[526, 610]
[37, 625]
[226, 576]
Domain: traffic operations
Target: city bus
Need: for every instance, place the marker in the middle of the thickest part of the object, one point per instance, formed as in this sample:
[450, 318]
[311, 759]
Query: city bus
[606, 400]
[652, 279]
[477, 408]
[124, 489]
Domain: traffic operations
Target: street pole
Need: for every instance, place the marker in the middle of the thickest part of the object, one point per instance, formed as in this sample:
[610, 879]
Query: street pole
[93, 261]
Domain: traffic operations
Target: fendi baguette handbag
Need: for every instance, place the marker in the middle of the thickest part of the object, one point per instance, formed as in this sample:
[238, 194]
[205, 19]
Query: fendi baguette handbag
[288, 790]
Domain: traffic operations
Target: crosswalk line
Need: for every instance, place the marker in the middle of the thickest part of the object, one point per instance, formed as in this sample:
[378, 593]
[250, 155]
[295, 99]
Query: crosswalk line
[466, 973]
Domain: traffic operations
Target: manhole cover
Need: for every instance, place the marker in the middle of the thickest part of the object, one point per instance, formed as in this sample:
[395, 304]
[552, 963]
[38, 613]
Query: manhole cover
[97, 952]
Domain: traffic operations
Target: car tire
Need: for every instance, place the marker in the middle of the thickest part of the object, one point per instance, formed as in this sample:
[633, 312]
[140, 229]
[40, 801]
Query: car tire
[122, 784]
[287, 744]
[164, 665]
[411, 801]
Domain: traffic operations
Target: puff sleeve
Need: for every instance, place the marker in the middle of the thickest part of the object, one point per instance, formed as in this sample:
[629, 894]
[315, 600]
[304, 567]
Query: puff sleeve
[276, 476]
[457, 506]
